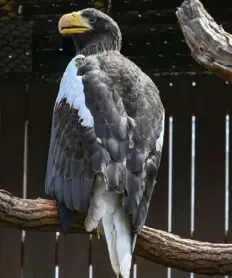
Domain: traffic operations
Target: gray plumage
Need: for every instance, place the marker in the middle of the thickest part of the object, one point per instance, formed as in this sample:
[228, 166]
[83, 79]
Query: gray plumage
[118, 153]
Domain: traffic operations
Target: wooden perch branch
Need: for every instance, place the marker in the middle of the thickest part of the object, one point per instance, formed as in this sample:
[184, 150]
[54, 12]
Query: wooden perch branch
[210, 45]
[155, 245]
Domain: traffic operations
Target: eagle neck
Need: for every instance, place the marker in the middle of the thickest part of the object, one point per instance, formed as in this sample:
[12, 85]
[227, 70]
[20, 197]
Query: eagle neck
[98, 46]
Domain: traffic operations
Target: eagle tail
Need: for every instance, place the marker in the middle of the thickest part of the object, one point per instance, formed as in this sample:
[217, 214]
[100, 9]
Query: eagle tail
[111, 236]
[106, 209]
[119, 240]
[97, 205]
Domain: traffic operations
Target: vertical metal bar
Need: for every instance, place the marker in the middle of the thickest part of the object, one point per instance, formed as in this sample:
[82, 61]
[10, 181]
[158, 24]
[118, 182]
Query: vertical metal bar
[90, 271]
[25, 175]
[134, 270]
[57, 272]
[90, 256]
[170, 181]
[193, 156]
[57, 269]
[25, 163]
[134, 267]
[25, 160]
[227, 152]
[227, 180]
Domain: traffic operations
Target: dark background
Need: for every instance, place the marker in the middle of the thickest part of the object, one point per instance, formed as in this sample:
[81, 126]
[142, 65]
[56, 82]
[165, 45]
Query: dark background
[32, 58]
[151, 35]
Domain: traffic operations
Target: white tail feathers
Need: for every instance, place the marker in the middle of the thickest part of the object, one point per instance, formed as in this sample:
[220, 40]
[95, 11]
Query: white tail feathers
[123, 241]
[106, 206]
[111, 237]
[97, 206]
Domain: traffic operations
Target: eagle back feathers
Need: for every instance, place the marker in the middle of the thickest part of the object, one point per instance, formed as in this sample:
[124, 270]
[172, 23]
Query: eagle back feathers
[109, 120]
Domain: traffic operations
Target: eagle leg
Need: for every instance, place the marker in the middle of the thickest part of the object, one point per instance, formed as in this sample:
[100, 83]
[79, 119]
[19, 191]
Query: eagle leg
[65, 216]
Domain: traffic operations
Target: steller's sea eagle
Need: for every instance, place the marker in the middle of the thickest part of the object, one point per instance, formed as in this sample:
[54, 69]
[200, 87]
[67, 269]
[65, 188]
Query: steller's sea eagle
[106, 138]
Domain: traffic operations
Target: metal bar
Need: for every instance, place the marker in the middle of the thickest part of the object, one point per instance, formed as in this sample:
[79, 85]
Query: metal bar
[193, 156]
[25, 159]
[57, 272]
[227, 181]
[134, 270]
[25, 176]
[227, 153]
[57, 268]
[90, 256]
[170, 180]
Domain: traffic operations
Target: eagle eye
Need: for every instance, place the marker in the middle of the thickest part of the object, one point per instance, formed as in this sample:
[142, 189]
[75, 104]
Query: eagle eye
[92, 19]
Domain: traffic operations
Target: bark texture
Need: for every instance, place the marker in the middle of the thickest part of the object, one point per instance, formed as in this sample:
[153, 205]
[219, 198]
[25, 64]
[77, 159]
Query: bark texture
[209, 43]
[155, 245]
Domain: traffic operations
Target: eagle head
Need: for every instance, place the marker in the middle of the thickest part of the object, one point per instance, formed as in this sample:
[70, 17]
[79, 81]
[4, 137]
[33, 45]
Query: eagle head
[92, 30]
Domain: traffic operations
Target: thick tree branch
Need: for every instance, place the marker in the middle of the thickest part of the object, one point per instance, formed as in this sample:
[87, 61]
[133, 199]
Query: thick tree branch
[155, 245]
[210, 45]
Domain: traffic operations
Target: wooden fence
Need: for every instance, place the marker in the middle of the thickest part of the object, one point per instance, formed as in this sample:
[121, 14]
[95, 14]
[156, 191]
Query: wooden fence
[191, 198]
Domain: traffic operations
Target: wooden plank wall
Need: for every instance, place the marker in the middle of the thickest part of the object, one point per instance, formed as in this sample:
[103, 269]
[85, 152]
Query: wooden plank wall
[12, 109]
[181, 110]
[210, 159]
[208, 98]
[12, 105]
[40, 105]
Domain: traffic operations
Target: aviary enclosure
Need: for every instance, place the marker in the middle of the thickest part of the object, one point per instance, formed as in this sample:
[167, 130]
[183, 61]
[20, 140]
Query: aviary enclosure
[192, 197]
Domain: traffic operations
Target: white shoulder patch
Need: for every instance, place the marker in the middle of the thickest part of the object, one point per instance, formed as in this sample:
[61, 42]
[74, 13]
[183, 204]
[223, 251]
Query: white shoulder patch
[160, 140]
[71, 88]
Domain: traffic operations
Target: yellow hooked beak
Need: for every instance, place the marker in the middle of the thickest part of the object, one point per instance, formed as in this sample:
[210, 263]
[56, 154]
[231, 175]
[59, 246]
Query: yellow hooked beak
[73, 23]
